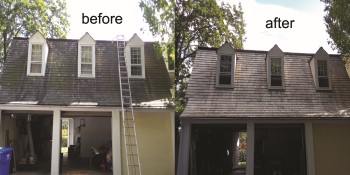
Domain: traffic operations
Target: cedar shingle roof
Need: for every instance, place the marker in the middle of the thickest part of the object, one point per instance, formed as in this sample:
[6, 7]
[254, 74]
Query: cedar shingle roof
[250, 96]
[61, 85]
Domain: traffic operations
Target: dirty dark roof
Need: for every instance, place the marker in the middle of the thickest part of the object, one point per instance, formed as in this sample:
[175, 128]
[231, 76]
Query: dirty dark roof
[251, 97]
[61, 85]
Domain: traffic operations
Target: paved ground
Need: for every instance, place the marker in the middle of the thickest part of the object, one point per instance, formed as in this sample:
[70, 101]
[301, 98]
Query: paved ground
[73, 172]
[79, 169]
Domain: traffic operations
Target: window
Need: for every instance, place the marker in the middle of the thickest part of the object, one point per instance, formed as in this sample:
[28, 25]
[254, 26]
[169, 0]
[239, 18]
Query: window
[322, 74]
[225, 70]
[36, 59]
[37, 55]
[276, 72]
[275, 68]
[136, 65]
[86, 60]
[86, 56]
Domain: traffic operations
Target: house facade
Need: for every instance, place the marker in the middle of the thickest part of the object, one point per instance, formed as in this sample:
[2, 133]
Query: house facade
[265, 112]
[46, 81]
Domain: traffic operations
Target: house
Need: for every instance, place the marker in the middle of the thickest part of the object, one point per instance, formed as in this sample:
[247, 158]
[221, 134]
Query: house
[265, 112]
[46, 82]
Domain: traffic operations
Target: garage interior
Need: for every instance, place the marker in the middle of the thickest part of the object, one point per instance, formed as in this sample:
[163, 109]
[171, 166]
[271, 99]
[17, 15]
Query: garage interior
[218, 149]
[279, 149]
[86, 142]
[30, 135]
[221, 149]
[86, 145]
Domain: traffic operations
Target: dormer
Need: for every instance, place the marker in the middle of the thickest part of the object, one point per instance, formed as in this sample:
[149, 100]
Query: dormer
[86, 56]
[275, 68]
[226, 62]
[135, 57]
[321, 70]
[37, 55]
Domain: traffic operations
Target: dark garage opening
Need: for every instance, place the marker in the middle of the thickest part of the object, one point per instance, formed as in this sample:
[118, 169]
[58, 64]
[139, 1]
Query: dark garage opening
[218, 149]
[30, 136]
[279, 150]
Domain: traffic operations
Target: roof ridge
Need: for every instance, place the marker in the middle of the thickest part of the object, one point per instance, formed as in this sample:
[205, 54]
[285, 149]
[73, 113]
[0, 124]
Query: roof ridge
[64, 39]
[263, 51]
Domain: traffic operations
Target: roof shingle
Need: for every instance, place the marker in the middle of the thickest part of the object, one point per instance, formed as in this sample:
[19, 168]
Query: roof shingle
[61, 85]
[251, 97]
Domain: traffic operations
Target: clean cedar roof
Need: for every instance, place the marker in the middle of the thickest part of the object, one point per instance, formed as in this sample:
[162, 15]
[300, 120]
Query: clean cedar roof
[251, 97]
[61, 85]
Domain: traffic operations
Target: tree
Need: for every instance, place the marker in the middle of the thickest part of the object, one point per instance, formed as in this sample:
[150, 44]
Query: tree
[197, 23]
[337, 20]
[25, 17]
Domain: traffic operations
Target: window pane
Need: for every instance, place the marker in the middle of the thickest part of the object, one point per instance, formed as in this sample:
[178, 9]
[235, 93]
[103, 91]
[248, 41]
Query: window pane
[36, 52]
[86, 54]
[322, 67]
[35, 68]
[86, 69]
[276, 80]
[323, 82]
[225, 79]
[225, 70]
[276, 66]
[136, 70]
[225, 63]
[135, 55]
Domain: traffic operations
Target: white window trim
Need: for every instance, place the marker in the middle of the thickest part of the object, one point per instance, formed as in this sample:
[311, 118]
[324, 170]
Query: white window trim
[43, 59]
[132, 64]
[128, 59]
[93, 61]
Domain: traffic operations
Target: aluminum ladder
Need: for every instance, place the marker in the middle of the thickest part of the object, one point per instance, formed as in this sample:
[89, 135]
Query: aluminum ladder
[129, 127]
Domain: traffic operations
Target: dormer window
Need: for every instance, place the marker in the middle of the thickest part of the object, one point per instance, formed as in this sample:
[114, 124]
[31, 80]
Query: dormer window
[275, 68]
[37, 55]
[320, 70]
[225, 70]
[276, 72]
[36, 59]
[322, 74]
[225, 66]
[136, 65]
[135, 57]
[86, 60]
[86, 57]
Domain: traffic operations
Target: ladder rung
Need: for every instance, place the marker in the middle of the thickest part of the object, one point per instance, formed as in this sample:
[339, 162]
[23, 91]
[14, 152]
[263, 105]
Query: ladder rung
[134, 154]
[133, 165]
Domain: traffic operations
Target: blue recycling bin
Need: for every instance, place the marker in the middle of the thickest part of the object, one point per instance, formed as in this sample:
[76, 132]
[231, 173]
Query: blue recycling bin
[5, 159]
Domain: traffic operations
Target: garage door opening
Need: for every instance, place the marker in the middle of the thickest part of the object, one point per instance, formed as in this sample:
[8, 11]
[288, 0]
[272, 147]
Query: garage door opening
[218, 149]
[30, 135]
[86, 145]
[279, 150]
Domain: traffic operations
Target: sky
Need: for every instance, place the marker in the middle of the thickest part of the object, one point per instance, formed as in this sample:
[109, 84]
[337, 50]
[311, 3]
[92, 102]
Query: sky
[307, 35]
[129, 10]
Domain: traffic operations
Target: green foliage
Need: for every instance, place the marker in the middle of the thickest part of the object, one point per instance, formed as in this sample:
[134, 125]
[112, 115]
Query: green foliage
[202, 23]
[197, 23]
[25, 17]
[337, 20]
[160, 16]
